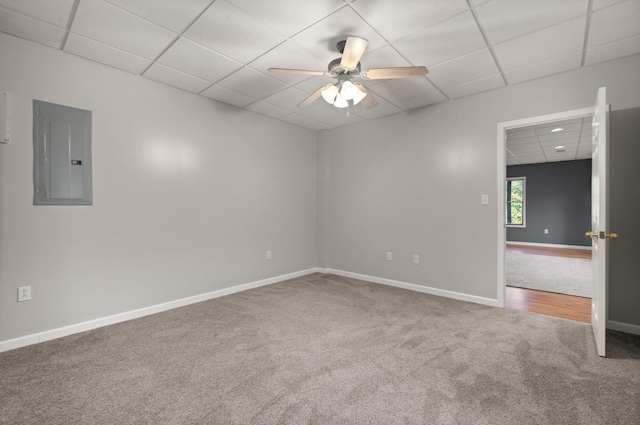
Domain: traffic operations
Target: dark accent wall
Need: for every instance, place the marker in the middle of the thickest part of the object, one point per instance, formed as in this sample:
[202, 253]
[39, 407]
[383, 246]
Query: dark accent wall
[558, 198]
[624, 216]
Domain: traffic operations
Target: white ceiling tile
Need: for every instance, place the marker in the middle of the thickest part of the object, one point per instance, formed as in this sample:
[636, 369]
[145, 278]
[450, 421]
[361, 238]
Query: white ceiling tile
[395, 90]
[314, 83]
[345, 119]
[519, 133]
[22, 26]
[550, 43]
[194, 59]
[447, 40]
[175, 78]
[104, 54]
[267, 109]
[225, 95]
[288, 55]
[386, 57]
[476, 86]
[525, 149]
[394, 21]
[599, 4]
[288, 16]
[559, 137]
[171, 14]
[230, 31]
[567, 127]
[287, 99]
[379, 111]
[321, 38]
[306, 122]
[323, 112]
[614, 23]
[463, 69]
[541, 69]
[115, 27]
[615, 50]
[421, 100]
[252, 83]
[507, 19]
[56, 12]
[525, 140]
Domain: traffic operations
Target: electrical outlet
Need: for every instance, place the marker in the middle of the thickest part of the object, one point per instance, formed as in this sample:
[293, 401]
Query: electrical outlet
[416, 259]
[269, 255]
[24, 293]
[546, 231]
[389, 256]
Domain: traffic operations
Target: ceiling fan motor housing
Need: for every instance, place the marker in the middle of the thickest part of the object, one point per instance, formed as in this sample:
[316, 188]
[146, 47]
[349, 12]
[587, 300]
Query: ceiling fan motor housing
[336, 69]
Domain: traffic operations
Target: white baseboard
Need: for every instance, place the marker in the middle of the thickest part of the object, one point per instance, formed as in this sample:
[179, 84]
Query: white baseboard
[418, 288]
[550, 245]
[623, 327]
[23, 341]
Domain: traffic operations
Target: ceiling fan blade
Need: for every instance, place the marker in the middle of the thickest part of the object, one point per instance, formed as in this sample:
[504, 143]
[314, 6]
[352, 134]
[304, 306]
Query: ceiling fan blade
[296, 71]
[314, 96]
[368, 101]
[353, 51]
[389, 73]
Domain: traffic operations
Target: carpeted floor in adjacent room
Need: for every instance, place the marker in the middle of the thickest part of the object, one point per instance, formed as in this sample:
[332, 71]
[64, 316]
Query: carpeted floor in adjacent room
[324, 349]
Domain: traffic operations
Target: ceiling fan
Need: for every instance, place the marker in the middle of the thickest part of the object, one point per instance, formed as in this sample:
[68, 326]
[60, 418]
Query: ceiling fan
[346, 69]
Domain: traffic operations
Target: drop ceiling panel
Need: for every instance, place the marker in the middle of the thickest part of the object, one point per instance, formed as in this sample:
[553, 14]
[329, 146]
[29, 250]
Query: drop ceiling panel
[288, 55]
[464, 69]
[322, 111]
[557, 137]
[617, 49]
[521, 141]
[599, 4]
[267, 109]
[476, 86]
[408, 17]
[395, 90]
[379, 111]
[171, 14]
[192, 58]
[233, 33]
[314, 83]
[559, 40]
[252, 83]
[541, 69]
[421, 100]
[56, 12]
[521, 133]
[287, 99]
[175, 78]
[614, 23]
[305, 122]
[386, 57]
[566, 128]
[288, 17]
[107, 55]
[22, 26]
[115, 27]
[504, 20]
[322, 37]
[447, 40]
[225, 95]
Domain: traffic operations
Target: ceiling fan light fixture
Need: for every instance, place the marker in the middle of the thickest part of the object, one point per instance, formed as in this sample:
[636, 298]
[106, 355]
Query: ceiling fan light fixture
[329, 94]
[353, 51]
[358, 96]
[340, 102]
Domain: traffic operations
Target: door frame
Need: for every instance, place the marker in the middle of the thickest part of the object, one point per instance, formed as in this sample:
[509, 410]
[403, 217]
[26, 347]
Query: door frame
[502, 175]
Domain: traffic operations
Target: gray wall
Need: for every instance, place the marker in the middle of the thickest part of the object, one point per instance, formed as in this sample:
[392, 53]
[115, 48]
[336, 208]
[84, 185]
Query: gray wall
[558, 198]
[624, 216]
[189, 194]
[411, 183]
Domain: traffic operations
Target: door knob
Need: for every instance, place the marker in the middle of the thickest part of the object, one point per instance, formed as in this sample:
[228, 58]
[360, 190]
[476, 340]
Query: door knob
[612, 235]
[591, 234]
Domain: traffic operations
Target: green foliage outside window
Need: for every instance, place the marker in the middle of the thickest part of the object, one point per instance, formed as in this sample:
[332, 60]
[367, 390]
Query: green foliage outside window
[515, 201]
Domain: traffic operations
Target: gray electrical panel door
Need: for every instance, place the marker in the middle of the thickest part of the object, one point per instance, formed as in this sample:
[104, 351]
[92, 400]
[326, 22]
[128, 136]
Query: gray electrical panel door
[62, 155]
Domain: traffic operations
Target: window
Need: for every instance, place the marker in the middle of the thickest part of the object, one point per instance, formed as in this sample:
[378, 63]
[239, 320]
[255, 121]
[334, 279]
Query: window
[515, 205]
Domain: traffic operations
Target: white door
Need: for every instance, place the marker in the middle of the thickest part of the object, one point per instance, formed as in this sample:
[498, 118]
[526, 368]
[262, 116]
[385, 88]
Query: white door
[598, 234]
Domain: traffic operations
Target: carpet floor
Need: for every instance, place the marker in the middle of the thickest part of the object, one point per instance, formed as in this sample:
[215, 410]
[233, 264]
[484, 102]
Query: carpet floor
[324, 349]
[564, 275]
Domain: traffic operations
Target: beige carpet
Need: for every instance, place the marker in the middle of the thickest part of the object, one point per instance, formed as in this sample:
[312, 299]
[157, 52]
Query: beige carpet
[326, 350]
[563, 275]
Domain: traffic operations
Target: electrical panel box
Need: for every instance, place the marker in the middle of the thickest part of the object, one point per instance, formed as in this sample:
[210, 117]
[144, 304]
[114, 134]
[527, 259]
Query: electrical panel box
[62, 155]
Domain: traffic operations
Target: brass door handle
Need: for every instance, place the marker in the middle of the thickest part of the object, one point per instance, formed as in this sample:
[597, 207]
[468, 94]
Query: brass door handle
[602, 235]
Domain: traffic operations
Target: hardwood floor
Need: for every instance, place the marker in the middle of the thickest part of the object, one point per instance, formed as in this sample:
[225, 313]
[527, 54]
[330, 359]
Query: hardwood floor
[550, 303]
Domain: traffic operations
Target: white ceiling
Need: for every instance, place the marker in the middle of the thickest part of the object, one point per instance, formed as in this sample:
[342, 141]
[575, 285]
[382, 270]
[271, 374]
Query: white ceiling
[222, 49]
[537, 143]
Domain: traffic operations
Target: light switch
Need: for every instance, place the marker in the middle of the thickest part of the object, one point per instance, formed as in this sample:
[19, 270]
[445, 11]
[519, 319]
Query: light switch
[485, 200]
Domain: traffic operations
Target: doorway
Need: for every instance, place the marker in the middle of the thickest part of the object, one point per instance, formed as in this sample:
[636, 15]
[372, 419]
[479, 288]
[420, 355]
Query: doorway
[545, 120]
